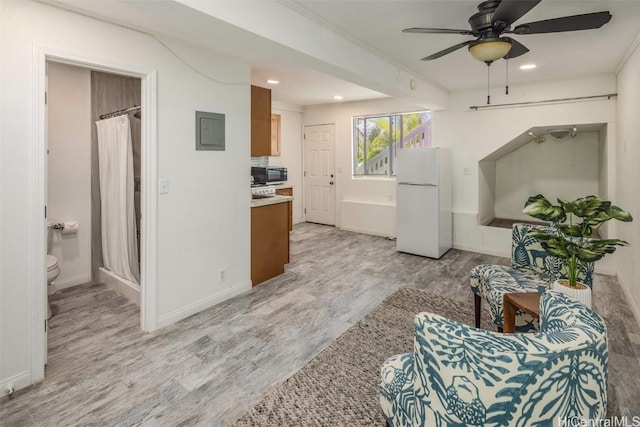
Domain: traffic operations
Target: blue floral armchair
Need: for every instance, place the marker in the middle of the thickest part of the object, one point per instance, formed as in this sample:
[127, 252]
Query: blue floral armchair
[462, 376]
[531, 270]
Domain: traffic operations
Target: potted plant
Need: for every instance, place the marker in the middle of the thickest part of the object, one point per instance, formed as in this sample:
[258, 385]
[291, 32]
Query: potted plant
[575, 243]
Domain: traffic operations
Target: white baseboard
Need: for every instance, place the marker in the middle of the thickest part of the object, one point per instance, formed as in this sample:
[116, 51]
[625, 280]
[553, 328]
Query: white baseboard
[198, 306]
[70, 282]
[123, 286]
[366, 231]
[607, 271]
[635, 309]
[17, 381]
[481, 250]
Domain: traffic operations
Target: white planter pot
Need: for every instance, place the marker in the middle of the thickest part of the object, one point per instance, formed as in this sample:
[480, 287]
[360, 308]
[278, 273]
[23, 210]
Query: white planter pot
[580, 292]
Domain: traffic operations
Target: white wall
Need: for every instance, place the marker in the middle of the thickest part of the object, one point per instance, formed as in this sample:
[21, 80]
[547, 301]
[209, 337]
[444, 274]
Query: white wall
[486, 191]
[291, 151]
[565, 168]
[472, 135]
[628, 176]
[363, 204]
[69, 168]
[203, 222]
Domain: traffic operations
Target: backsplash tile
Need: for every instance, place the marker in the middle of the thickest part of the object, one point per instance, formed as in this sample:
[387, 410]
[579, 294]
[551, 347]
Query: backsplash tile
[260, 162]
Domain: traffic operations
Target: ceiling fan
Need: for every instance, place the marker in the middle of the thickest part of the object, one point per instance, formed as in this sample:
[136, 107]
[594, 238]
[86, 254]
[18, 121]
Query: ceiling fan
[494, 18]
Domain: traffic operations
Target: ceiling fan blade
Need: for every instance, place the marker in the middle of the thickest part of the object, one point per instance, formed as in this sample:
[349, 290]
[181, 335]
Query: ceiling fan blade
[447, 51]
[517, 49]
[509, 11]
[587, 21]
[437, 31]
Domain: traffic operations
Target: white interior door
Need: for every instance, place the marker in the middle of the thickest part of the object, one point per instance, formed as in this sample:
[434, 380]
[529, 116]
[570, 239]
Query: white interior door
[319, 175]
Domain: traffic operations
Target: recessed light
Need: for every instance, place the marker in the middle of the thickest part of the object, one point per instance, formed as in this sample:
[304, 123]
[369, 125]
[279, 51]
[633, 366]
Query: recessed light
[338, 98]
[273, 82]
[528, 66]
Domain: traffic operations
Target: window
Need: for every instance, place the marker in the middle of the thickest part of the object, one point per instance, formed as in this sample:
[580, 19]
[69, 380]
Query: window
[376, 139]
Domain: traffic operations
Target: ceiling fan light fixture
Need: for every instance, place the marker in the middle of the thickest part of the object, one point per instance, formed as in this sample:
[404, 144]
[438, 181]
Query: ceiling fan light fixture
[560, 132]
[489, 51]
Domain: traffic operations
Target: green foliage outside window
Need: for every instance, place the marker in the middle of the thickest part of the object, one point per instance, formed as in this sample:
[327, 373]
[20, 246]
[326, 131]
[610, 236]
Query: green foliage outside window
[376, 140]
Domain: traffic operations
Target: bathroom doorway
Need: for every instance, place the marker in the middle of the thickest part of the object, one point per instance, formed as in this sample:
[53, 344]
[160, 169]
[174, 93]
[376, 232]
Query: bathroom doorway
[93, 181]
[147, 81]
[94, 178]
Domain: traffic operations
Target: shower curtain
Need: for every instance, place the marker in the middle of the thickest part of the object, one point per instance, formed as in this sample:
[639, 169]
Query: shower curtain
[115, 163]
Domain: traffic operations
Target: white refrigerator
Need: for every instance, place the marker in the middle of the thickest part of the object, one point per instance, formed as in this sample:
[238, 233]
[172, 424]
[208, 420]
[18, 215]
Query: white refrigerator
[423, 201]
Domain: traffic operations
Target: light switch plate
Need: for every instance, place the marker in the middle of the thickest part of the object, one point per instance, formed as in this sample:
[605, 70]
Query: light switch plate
[163, 185]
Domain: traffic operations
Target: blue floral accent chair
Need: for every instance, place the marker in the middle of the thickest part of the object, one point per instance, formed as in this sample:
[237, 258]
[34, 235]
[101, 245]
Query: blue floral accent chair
[462, 376]
[531, 270]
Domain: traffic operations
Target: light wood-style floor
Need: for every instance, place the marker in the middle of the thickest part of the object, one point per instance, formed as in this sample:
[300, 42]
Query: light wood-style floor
[211, 368]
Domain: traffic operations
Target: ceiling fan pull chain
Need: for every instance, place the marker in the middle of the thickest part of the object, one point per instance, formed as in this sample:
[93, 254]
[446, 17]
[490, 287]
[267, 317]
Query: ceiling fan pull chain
[506, 89]
[488, 83]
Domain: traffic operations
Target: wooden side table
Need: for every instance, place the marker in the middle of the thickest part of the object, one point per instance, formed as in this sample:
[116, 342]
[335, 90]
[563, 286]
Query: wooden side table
[529, 302]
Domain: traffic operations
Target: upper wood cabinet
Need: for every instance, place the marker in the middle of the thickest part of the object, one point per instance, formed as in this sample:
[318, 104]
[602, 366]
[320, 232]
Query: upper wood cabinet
[260, 121]
[275, 134]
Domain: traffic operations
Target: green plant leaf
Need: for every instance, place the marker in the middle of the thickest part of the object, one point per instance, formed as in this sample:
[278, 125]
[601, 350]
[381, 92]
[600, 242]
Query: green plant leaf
[607, 242]
[541, 235]
[591, 255]
[586, 207]
[599, 218]
[539, 207]
[555, 248]
[617, 213]
[573, 230]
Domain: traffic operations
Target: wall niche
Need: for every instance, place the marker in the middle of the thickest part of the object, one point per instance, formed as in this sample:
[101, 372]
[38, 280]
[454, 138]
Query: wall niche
[559, 161]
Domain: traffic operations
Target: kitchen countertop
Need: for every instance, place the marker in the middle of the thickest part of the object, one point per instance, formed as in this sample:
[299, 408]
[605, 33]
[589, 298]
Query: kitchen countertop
[265, 201]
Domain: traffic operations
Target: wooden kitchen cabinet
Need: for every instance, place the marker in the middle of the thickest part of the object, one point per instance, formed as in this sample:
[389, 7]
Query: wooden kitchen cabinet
[287, 192]
[275, 134]
[260, 121]
[269, 241]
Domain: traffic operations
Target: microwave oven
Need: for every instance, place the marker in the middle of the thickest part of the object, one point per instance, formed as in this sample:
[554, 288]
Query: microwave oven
[269, 175]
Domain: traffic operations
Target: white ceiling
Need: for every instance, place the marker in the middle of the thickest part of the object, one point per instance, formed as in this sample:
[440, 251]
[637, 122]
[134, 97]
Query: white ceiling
[379, 25]
[303, 86]
[376, 26]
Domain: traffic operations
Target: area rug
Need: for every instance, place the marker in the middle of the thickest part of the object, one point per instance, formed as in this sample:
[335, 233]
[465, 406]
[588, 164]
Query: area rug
[339, 387]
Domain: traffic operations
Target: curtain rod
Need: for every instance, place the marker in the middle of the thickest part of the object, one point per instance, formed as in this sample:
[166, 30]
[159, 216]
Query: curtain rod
[120, 112]
[608, 96]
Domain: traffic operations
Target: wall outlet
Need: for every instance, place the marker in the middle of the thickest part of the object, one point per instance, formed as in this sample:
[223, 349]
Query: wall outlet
[222, 274]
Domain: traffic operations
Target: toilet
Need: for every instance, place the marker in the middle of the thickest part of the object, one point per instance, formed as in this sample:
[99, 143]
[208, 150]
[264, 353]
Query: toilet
[53, 270]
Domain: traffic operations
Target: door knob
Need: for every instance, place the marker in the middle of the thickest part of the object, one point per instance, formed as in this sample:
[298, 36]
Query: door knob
[331, 175]
[330, 182]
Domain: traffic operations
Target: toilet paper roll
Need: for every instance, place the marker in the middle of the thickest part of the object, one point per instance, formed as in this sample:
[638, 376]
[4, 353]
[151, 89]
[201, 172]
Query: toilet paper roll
[70, 227]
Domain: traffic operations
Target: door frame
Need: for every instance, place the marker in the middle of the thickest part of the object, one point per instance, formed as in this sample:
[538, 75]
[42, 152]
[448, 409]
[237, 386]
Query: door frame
[304, 172]
[38, 184]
